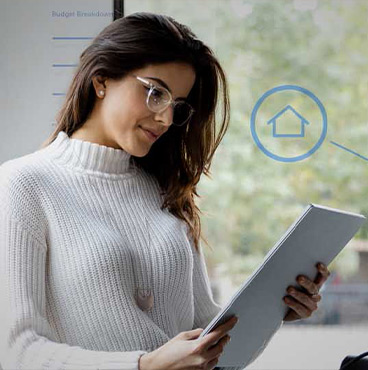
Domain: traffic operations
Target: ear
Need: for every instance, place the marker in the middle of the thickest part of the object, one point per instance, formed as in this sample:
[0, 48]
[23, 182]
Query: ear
[99, 83]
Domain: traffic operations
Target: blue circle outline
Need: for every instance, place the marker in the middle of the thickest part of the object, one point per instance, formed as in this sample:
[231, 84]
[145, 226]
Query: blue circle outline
[282, 88]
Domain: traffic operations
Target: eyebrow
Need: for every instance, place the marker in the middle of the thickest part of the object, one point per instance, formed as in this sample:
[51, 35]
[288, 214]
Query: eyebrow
[164, 84]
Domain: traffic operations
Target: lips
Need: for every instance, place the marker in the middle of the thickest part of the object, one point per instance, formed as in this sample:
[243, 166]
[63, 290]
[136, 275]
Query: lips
[154, 133]
[150, 135]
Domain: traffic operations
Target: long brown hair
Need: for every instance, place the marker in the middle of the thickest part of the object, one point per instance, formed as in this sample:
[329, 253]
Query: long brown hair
[179, 157]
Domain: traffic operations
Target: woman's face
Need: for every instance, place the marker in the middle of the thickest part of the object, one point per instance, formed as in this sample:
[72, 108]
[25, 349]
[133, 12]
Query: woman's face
[120, 115]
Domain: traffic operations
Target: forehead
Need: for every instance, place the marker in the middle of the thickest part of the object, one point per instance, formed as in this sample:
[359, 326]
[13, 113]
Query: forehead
[177, 77]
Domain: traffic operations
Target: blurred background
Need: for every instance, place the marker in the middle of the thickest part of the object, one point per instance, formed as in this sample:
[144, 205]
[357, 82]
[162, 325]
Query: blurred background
[251, 199]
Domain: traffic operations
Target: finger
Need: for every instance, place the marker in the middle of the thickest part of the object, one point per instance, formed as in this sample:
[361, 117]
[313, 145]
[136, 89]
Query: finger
[316, 297]
[308, 284]
[211, 338]
[300, 309]
[218, 348]
[303, 298]
[212, 364]
[323, 275]
[191, 334]
[214, 354]
[291, 315]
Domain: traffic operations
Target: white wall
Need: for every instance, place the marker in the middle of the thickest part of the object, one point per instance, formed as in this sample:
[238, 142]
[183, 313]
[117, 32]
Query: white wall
[28, 53]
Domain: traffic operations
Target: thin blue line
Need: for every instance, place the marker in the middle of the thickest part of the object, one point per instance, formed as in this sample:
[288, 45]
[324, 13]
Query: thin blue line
[65, 65]
[349, 150]
[71, 38]
[288, 135]
[58, 94]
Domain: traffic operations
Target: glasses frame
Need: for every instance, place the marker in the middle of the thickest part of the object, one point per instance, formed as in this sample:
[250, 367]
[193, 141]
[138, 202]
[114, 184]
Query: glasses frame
[171, 101]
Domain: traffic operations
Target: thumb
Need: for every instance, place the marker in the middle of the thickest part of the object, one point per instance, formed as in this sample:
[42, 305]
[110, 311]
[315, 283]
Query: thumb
[193, 334]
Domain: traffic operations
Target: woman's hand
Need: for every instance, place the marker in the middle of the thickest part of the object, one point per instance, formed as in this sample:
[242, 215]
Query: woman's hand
[302, 304]
[187, 351]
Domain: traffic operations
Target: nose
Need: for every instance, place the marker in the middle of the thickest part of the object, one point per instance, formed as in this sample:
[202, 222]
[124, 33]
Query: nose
[166, 116]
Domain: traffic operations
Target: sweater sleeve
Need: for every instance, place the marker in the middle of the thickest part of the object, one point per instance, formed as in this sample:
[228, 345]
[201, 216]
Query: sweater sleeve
[27, 341]
[205, 308]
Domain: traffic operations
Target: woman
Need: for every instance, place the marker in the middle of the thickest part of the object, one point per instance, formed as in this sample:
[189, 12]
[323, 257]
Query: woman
[101, 262]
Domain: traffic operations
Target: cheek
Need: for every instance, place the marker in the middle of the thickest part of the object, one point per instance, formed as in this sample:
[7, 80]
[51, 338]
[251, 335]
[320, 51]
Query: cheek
[124, 115]
[136, 105]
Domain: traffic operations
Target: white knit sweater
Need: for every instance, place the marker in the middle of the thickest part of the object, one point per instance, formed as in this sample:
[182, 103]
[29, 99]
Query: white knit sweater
[74, 247]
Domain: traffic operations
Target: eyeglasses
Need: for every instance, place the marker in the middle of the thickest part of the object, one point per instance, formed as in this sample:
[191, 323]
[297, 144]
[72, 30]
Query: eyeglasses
[159, 98]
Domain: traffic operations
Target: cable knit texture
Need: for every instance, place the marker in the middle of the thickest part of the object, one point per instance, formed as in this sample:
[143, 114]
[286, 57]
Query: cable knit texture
[74, 247]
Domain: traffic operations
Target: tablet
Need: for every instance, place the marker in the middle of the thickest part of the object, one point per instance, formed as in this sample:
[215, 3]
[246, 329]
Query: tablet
[318, 235]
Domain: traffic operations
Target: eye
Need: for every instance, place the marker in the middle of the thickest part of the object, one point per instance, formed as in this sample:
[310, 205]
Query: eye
[157, 93]
[147, 89]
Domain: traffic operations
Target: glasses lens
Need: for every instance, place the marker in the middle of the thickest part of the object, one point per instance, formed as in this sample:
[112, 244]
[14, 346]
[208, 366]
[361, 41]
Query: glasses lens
[182, 113]
[159, 99]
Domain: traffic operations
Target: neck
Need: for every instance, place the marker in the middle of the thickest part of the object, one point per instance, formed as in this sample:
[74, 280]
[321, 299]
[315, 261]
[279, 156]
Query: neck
[90, 156]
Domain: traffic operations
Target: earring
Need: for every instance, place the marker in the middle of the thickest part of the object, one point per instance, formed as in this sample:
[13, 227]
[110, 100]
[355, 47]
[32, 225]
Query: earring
[102, 93]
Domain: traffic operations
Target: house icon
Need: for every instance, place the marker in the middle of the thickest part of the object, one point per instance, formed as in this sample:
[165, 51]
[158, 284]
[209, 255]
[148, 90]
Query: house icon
[290, 111]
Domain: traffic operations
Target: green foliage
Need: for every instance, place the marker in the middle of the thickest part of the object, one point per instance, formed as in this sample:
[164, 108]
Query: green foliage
[252, 199]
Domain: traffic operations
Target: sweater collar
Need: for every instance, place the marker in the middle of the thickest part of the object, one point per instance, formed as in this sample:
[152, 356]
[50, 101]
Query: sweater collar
[89, 156]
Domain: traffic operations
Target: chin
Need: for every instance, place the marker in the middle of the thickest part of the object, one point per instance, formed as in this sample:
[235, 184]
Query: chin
[141, 153]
